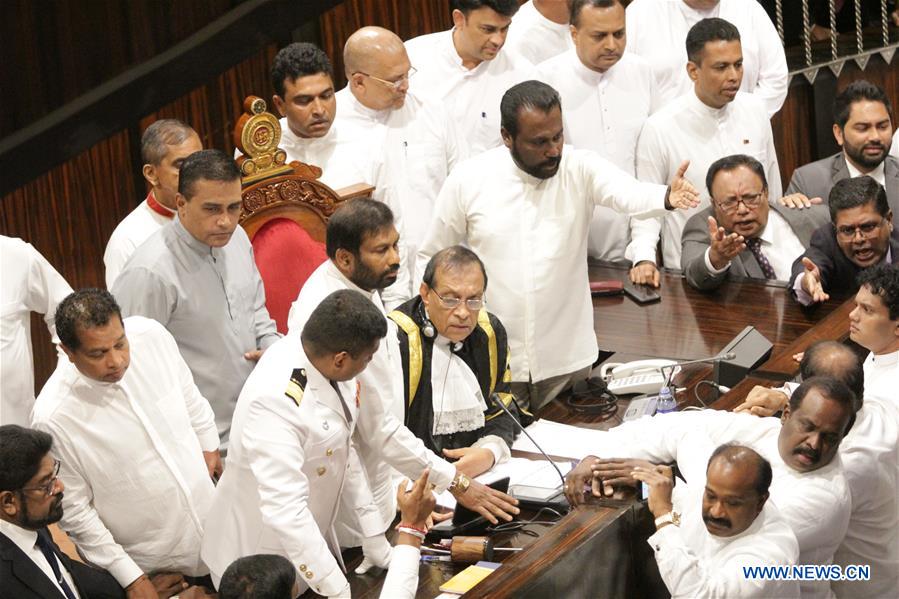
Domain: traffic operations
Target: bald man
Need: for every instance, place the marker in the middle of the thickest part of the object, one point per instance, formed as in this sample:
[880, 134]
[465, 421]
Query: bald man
[420, 144]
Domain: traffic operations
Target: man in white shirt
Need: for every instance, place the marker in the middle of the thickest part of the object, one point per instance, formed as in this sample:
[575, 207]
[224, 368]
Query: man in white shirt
[419, 145]
[468, 69]
[163, 147]
[659, 28]
[709, 122]
[741, 235]
[705, 541]
[862, 126]
[607, 95]
[137, 442]
[362, 256]
[874, 324]
[539, 30]
[801, 447]
[525, 210]
[30, 284]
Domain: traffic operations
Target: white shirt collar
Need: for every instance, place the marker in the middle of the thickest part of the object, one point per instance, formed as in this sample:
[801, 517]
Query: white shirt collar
[22, 538]
[335, 272]
[706, 110]
[885, 359]
[587, 74]
[878, 174]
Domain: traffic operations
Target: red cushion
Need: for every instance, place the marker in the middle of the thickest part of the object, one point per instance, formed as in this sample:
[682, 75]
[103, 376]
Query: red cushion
[286, 255]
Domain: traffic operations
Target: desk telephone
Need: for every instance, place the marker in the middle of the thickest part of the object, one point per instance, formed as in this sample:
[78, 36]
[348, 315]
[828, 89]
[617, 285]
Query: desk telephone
[641, 376]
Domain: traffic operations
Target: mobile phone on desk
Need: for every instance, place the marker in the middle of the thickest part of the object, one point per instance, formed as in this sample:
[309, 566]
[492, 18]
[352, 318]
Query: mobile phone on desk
[642, 294]
[603, 288]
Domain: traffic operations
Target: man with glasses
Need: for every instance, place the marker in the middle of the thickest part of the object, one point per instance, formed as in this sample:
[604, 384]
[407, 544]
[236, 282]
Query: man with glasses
[455, 359]
[417, 140]
[740, 234]
[137, 440]
[860, 235]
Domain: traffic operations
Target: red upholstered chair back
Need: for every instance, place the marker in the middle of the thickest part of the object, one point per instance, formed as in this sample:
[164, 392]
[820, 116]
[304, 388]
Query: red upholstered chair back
[286, 255]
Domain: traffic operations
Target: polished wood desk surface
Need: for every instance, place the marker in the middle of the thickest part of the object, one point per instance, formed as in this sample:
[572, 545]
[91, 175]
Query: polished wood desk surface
[687, 324]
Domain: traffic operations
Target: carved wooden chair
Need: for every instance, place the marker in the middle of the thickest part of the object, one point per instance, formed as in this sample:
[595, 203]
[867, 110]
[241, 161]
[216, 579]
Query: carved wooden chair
[285, 208]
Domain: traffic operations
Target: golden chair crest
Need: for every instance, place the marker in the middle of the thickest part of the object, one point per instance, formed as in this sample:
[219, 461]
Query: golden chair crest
[257, 136]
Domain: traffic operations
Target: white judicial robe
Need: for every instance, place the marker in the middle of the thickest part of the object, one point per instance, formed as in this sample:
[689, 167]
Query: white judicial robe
[604, 112]
[532, 236]
[657, 31]
[28, 283]
[688, 129]
[471, 96]
[137, 490]
[536, 38]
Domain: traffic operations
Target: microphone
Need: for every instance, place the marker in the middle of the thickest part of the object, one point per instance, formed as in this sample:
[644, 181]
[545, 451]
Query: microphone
[503, 407]
[719, 358]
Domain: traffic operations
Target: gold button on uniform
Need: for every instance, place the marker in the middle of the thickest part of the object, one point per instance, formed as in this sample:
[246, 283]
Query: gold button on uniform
[302, 567]
[329, 453]
[309, 574]
[321, 470]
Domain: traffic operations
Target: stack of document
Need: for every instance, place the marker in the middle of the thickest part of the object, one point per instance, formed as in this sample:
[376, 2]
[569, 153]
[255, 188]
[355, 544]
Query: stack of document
[559, 439]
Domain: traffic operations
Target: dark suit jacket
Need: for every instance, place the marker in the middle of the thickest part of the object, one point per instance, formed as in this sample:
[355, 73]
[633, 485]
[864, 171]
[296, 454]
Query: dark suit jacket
[21, 578]
[816, 179]
[838, 273]
[695, 242]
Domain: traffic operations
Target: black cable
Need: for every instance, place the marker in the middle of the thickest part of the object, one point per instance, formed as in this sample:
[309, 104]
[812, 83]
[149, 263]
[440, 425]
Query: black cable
[520, 525]
[708, 382]
[593, 398]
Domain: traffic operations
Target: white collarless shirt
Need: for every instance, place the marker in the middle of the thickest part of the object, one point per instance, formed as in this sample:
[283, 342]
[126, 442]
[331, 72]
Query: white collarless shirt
[532, 236]
[28, 283]
[604, 112]
[657, 31]
[536, 38]
[137, 488]
[688, 129]
[26, 541]
[134, 229]
[882, 376]
[471, 96]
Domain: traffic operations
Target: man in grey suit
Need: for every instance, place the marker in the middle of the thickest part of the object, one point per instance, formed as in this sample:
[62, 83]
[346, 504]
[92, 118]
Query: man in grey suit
[863, 128]
[741, 235]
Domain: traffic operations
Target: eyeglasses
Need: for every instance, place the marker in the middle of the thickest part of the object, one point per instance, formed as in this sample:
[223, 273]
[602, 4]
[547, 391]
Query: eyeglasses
[394, 85]
[50, 485]
[750, 200]
[451, 303]
[866, 229]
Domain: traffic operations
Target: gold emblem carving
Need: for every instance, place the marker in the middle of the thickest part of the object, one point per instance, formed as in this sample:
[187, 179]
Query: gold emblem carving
[257, 136]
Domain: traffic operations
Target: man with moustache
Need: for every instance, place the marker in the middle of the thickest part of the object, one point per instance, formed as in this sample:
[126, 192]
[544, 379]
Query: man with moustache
[197, 277]
[703, 541]
[468, 69]
[362, 246]
[525, 210]
[607, 94]
[860, 235]
[862, 117]
[163, 147]
[710, 121]
[741, 235]
[808, 486]
[136, 439]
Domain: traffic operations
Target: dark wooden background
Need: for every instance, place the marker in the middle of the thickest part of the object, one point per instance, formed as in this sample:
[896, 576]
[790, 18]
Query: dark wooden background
[58, 51]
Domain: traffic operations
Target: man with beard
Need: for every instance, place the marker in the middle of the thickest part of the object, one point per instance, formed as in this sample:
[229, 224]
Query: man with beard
[862, 126]
[861, 235]
[702, 545]
[808, 485]
[361, 243]
[525, 210]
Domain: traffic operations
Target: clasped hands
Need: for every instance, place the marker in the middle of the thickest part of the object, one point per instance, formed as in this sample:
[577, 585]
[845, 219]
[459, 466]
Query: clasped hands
[600, 477]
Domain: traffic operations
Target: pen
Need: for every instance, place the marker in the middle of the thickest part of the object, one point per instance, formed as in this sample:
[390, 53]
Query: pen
[436, 558]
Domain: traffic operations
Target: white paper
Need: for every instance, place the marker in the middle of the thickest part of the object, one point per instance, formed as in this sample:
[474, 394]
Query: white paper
[521, 471]
[559, 439]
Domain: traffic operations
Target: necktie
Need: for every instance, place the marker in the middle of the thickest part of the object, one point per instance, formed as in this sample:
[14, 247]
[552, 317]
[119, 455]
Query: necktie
[47, 549]
[755, 246]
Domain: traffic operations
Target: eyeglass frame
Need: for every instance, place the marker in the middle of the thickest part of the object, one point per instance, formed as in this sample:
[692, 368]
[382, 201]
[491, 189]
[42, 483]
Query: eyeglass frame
[394, 85]
[751, 201]
[452, 303]
[858, 229]
[50, 485]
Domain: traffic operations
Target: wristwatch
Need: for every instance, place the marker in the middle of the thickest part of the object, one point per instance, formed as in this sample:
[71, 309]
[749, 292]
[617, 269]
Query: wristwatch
[671, 517]
[460, 484]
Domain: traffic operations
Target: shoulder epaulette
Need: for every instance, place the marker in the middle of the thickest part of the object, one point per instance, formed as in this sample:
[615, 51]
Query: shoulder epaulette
[296, 385]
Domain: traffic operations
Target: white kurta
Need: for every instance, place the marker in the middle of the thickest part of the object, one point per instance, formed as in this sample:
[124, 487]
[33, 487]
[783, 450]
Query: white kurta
[687, 129]
[383, 442]
[419, 147]
[882, 376]
[695, 563]
[657, 30]
[471, 96]
[289, 466]
[28, 283]
[532, 236]
[536, 38]
[137, 490]
[134, 229]
[815, 504]
[604, 112]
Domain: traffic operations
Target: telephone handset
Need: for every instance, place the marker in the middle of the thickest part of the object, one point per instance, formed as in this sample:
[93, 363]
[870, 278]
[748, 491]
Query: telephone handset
[640, 376]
